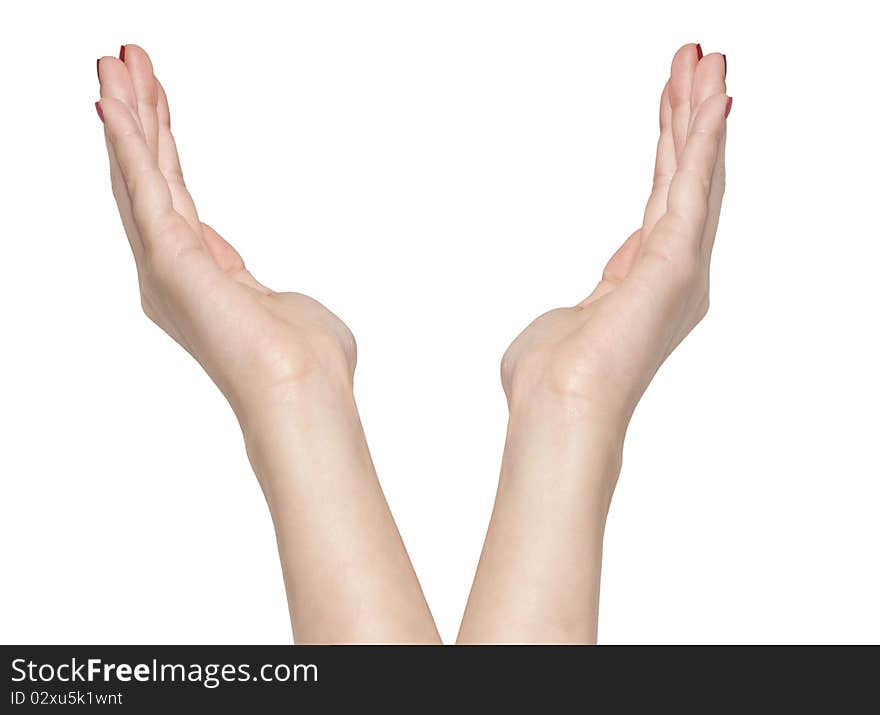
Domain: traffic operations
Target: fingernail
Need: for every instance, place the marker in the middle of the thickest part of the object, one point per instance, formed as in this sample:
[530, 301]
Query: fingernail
[724, 57]
[99, 110]
[699, 52]
[122, 52]
[729, 105]
[98, 68]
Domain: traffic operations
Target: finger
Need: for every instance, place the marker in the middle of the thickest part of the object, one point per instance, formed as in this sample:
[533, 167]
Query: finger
[688, 201]
[708, 80]
[225, 256]
[684, 65]
[116, 83]
[169, 163]
[123, 203]
[617, 268]
[144, 184]
[621, 262]
[229, 260]
[664, 166]
[716, 194]
[711, 78]
[140, 69]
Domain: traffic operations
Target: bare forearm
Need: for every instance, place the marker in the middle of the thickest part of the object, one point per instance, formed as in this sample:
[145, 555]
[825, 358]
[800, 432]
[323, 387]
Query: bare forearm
[347, 574]
[538, 578]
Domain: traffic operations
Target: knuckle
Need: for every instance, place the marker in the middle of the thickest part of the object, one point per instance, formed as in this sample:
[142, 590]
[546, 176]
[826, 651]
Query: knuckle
[174, 175]
[705, 126]
[696, 181]
[685, 272]
[165, 254]
[682, 266]
[137, 187]
[662, 178]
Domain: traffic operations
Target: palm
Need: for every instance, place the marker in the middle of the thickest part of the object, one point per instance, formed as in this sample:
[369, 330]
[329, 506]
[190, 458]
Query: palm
[655, 287]
[193, 283]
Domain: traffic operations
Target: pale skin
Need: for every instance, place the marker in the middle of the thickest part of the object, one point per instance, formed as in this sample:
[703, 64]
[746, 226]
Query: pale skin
[286, 365]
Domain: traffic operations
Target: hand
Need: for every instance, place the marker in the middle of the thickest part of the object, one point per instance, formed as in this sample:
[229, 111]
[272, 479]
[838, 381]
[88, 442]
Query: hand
[253, 342]
[603, 352]
[574, 376]
[286, 365]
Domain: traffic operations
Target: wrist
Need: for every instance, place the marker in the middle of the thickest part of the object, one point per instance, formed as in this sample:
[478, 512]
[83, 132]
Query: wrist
[289, 429]
[571, 415]
[567, 443]
[261, 403]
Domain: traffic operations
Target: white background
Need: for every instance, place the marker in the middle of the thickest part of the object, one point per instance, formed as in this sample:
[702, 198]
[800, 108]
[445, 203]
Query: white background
[439, 174]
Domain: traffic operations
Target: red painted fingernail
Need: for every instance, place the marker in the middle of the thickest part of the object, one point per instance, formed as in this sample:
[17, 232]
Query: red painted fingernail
[99, 110]
[724, 57]
[98, 67]
[699, 52]
[729, 105]
[122, 52]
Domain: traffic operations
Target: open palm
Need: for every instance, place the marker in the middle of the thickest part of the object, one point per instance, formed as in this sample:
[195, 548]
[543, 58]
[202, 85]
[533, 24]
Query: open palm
[193, 283]
[655, 289]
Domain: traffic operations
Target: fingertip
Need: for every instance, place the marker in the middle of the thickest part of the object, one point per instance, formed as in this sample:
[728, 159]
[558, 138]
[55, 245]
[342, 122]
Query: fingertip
[715, 62]
[131, 52]
[101, 62]
[689, 54]
[681, 74]
[712, 112]
[140, 69]
[708, 79]
[117, 115]
[138, 63]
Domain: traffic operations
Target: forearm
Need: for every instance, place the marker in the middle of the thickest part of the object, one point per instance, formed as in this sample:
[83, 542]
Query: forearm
[538, 578]
[346, 571]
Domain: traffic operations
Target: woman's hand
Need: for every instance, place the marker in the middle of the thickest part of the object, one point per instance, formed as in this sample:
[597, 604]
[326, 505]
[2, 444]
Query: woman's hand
[285, 363]
[253, 342]
[601, 354]
[574, 376]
